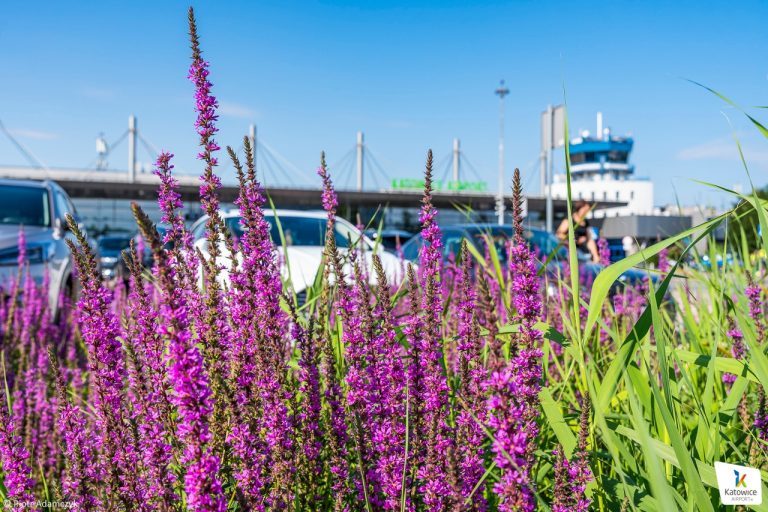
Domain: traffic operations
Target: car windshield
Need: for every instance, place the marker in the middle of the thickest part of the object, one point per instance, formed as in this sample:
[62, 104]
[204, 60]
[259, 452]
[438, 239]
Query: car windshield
[24, 205]
[297, 231]
[542, 243]
[114, 244]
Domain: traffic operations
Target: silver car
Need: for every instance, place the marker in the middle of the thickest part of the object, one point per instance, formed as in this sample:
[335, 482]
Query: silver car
[40, 207]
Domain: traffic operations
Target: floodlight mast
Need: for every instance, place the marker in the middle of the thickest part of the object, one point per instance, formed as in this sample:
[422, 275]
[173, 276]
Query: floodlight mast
[501, 92]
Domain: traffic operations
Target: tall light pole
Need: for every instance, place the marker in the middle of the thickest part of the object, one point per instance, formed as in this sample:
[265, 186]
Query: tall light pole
[501, 92]
[252, 140]
[132, 148]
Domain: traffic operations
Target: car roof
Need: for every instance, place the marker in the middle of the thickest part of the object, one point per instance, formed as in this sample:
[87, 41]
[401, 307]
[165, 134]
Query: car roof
[489, 226]
[471, 228]
[25, 183]
[268, 212]
[115, 237]
[390, 232]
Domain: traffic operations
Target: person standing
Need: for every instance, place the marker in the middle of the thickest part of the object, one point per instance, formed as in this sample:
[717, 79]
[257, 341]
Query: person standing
[585, 240]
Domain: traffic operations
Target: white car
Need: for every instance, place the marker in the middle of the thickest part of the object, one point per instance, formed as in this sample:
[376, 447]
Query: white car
[304, 236]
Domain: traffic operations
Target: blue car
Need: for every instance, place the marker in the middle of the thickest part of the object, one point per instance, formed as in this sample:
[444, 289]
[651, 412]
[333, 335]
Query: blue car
[544, 244]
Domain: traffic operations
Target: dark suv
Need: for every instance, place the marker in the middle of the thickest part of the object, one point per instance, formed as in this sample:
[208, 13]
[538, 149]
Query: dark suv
[40, 207]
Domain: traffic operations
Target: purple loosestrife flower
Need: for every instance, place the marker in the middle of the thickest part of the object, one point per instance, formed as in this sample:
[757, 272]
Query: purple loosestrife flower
[738, 350]
[354, 310]
[336, 427]
[413, 329]
[101, 335]
[192, 394]
[39, 426]
[761, 415]
[14, 456]
[49, 446]
[472, 374]
[438, 440]
[169, 200]
[489, 320]
[572, 477]
[183, 256]
[260, 339]
[754, 293]
[209, 317]
[309, 417]
[604, 251]
[83, 473]
[388, 430]
[513, 389]
[205, 124]
[149, 388]
[184, 262]
[13, 286]
[664, 260]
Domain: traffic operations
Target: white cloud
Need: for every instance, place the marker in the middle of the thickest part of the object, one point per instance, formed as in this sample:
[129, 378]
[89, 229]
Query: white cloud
[33, 134]
[230, 109]
[725, 148]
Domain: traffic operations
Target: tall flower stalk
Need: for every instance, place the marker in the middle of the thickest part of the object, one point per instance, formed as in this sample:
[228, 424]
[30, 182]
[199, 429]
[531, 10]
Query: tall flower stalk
[572, 476]
[210, 317]
[192, 395]
[438, 438]
[335, 425]
[101, 334]
[513, 389]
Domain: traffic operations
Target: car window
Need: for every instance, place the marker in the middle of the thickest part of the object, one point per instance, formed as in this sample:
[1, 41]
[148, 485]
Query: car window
[62, 205]
[411, 248]
[452, 242]
[24, 205]
[543, 243]
[114, 244]
[300, 231]
[198, 230]
[499, 239]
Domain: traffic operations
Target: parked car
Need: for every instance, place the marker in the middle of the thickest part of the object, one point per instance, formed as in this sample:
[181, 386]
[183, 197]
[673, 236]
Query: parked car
[147, 259]
[389, 238]
[544, 244]
[40, 207]
[304, 237]
[109, 250]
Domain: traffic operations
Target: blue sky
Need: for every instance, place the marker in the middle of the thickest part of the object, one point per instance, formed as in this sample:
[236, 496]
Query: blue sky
[411, 75]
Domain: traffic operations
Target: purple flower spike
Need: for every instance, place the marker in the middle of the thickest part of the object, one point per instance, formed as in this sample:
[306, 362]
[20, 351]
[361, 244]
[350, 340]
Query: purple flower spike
[604, 251]
[14, 457]
[438, 440]
[513, 390]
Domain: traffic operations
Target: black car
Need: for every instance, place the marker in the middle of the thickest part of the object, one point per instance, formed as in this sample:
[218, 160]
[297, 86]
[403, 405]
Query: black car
[109, 249]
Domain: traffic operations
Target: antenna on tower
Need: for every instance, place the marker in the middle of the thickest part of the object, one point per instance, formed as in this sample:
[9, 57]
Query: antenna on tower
[102, 149]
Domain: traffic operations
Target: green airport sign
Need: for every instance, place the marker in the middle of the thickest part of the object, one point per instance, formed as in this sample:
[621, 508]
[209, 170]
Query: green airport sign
[439, 185]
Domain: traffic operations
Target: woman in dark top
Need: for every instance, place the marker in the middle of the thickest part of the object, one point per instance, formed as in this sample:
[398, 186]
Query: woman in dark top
[581, 231]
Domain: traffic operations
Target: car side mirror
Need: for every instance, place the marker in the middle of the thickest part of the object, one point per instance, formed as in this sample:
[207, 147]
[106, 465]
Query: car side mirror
[60, 226]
